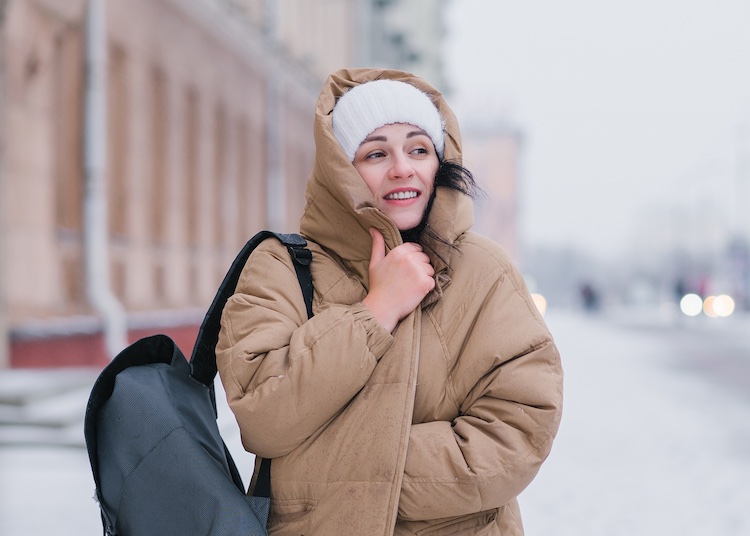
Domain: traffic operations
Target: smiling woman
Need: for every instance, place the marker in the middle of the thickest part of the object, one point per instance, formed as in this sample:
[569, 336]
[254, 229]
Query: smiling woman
[398, 163]
[425, 391]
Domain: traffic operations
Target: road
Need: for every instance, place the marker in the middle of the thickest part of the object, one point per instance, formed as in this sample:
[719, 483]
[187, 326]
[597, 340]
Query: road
[655, 440]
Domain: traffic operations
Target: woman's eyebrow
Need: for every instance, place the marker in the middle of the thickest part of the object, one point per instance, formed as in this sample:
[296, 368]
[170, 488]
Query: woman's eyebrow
[374, 138]
[411, 134]
[419, 132]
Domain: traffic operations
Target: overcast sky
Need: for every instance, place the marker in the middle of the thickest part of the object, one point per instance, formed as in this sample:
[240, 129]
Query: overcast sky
[625, 106]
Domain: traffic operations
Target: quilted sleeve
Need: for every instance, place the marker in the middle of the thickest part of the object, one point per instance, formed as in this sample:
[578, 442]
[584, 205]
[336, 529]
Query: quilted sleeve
[286, 376]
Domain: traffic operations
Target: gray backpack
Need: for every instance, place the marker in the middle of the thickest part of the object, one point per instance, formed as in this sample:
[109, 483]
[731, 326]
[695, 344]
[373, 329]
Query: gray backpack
[159, 463]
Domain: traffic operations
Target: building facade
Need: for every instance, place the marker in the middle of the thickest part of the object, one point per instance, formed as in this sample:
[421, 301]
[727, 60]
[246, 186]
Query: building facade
[143, 141]
[492, 152]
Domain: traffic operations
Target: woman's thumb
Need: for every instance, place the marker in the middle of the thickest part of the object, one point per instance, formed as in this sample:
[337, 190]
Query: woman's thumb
[378, 246]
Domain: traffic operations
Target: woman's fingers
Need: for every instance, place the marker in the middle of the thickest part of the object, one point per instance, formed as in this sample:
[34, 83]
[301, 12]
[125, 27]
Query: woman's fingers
[399, 280]
[378, 246]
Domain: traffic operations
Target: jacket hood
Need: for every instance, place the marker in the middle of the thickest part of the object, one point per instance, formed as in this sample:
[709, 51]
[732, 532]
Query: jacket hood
[340, 208]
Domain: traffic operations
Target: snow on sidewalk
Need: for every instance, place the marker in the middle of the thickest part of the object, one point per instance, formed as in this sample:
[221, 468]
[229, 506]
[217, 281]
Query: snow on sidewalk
[644, 447]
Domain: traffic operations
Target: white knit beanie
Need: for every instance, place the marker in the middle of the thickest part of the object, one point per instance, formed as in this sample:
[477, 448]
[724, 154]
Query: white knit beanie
[369, 106]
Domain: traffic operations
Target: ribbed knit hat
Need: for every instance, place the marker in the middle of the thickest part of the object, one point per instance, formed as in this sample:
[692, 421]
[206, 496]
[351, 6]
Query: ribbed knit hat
[369, 106]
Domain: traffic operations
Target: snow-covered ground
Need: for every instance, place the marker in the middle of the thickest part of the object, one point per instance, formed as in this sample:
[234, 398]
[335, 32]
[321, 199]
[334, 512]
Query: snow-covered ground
[652, 443]
[647, 445]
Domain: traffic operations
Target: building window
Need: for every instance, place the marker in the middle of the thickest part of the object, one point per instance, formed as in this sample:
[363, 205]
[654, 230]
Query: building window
[191, 167]
[160, 284]
[219, 183]
[119, 279]
[243, 179]
[118, 147]
[257, 178]
[73, 291]
[159, 156]
[68, 105]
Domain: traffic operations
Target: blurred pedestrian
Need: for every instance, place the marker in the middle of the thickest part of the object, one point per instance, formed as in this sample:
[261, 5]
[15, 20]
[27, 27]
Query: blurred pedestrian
[680, 289]
[426, 390]
[589, 297]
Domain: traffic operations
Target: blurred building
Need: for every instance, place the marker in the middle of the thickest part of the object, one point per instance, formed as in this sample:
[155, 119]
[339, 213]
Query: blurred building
[406, 35]
[143, 141]
[492, 149]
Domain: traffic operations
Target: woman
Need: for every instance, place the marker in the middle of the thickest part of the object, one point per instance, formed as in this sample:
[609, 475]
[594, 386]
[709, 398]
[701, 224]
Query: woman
[425, 392]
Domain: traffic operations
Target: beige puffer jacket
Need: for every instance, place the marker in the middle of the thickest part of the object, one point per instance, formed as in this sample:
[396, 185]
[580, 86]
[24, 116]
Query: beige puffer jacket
[433, 429]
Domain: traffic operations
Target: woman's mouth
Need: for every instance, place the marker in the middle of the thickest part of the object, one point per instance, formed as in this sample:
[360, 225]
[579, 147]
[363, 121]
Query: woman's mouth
[401, 195]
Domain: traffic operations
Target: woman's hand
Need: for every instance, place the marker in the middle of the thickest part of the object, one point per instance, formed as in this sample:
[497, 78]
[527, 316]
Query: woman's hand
[399, 281]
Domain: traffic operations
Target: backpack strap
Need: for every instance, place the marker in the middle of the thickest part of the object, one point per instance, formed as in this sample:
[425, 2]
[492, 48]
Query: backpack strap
[203, 359]
[302, 258]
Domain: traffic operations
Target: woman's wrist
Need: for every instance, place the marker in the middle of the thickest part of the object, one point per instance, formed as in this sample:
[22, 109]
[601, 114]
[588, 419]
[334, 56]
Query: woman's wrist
[382, 314]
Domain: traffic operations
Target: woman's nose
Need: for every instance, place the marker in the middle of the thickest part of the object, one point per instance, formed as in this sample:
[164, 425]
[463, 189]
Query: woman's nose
[401, 168]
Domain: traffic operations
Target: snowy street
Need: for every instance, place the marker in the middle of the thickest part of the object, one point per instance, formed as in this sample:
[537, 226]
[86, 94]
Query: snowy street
[655, 437]
[655, 440]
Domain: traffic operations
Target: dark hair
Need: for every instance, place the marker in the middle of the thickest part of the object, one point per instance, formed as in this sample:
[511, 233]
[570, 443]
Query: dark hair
[450, 175]
[456, 177]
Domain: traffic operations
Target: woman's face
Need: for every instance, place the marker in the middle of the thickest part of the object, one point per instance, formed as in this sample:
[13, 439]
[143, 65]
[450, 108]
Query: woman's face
[398, 163]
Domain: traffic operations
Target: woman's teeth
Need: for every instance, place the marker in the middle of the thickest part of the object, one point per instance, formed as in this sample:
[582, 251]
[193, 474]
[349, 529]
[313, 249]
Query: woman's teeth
[401, 195]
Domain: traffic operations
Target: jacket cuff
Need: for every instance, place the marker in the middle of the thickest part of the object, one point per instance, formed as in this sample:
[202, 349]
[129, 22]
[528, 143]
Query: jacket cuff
[378, 338]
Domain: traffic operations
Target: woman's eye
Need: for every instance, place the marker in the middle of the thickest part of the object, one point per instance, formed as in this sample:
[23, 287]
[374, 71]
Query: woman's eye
[420, 150]
[375, 154]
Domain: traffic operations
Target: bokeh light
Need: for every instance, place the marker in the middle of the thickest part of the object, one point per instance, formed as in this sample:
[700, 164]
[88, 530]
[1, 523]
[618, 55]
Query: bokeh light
[723, 305]
[708, 307]
[691, 304]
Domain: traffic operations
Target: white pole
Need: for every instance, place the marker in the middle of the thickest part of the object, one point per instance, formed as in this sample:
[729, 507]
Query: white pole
[95, 197]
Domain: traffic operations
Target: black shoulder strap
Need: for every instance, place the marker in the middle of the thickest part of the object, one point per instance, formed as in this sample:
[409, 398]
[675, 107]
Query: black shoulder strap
[203, 359]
